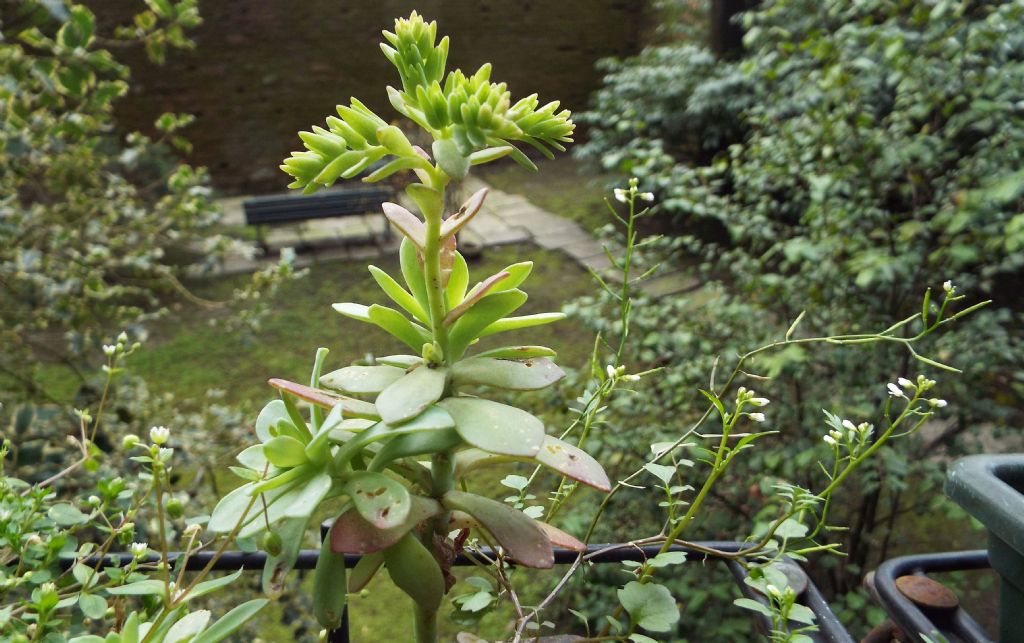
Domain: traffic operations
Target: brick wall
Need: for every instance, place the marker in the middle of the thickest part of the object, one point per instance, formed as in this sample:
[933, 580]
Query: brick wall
[263, 69]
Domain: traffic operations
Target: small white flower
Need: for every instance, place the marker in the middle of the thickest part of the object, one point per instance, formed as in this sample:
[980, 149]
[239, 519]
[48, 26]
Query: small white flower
[848, 425]
[646, 196]
[109, 350]
[948, 286]
[159, 434]
[631, 378]
[936, 402]
[759, 401]
[905, 383]
[829, 440]
[836, 435]
[621, 195]
[139, 549]
[895, 390]
[123, 337]
[611, 371]
[757, 417]
[773, 590]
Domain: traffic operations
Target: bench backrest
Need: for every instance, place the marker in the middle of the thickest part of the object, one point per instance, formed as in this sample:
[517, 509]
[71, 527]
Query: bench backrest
[336, 203]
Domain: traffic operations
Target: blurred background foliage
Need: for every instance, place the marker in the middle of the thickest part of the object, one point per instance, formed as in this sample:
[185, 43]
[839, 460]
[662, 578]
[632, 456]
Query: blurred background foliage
[855, 154]
[827, 156]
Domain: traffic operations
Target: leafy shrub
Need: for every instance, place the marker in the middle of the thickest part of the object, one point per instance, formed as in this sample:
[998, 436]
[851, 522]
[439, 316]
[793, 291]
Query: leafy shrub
[878, 156]
[97, 227]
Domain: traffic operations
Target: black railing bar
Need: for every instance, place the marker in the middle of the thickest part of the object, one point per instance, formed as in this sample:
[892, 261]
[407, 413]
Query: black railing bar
[234, 560]
[830, 629]
[908, 616]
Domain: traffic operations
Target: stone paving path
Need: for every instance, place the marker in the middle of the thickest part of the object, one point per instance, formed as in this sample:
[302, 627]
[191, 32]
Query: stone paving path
[504, 218]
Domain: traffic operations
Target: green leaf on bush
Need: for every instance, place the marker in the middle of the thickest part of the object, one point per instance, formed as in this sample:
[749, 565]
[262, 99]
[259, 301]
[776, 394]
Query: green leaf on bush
[661, 471]
[149, 587]
[231, 622]
[649, 605]
[92, 606]
[186, 628]
[755, 606]
[66, 515]
[212, 585]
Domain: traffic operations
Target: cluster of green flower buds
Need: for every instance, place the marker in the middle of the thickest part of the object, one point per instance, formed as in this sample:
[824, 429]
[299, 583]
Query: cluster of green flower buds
[471, 119]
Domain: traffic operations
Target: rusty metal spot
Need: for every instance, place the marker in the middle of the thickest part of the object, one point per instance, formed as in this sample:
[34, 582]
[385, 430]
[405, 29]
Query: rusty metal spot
[926, 592]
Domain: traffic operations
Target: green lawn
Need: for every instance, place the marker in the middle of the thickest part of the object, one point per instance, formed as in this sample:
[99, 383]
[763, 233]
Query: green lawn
[562, 186]
[187, 355]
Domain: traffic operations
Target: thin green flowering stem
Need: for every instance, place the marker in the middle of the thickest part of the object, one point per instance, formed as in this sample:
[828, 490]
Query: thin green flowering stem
[164, 566]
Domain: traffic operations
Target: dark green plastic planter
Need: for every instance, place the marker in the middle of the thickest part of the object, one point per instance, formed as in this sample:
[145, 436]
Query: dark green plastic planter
[991, 488]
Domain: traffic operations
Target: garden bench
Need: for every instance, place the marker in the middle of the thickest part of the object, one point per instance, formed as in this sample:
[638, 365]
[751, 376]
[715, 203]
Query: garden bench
[347, 202]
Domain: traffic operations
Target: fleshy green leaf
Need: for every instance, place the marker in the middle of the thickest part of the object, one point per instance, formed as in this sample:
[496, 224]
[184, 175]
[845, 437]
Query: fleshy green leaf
[364, 571]
[284, 451]
[478, 292]
[519, 534]
[398, 294]
[397, 325]
[400, 361]
[362, 379]
[526, 375]
[495, 427]
[458, 281]
[381, 500]
[525, 321]
[465, 214]
[518, 352]
[406, 222]
[450, 158]
[573, 462]
[415, 571]
[559, 538]
[412, 272]
[353, 534]
[271, 414]
[485, 313]
[410, 395]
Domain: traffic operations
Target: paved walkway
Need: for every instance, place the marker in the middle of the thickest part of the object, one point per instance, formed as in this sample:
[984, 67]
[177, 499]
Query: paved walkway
[504, 218]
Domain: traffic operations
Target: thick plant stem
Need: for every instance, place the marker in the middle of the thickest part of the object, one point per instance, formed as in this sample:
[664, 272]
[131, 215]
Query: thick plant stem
[442, 464]
[425, 625]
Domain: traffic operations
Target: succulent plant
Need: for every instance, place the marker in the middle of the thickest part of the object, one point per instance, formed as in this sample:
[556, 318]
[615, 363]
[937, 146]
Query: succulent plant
[394, 438]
